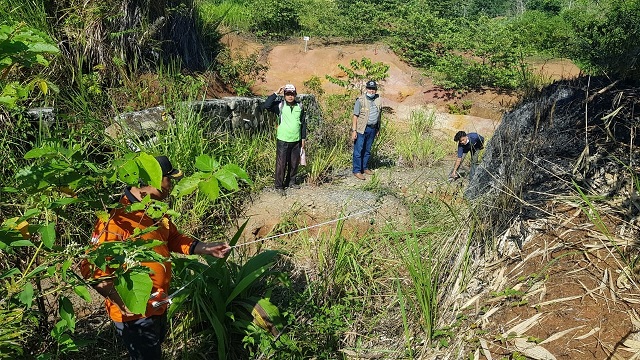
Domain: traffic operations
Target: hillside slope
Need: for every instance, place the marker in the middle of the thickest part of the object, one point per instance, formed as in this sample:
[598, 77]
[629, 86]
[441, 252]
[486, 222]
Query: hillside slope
[554, 274]
[406, 88]
[558, 196]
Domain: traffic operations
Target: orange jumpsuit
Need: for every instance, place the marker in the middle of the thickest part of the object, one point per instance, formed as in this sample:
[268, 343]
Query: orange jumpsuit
[120, 227]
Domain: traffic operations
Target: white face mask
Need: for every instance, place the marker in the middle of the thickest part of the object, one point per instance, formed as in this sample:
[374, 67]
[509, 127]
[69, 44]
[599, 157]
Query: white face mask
[371, 96]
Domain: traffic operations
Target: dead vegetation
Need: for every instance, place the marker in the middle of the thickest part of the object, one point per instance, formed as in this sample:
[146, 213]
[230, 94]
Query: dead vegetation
[560, 278]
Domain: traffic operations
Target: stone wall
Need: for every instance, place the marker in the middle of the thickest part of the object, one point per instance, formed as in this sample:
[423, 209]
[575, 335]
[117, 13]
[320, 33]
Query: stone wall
[228, 114]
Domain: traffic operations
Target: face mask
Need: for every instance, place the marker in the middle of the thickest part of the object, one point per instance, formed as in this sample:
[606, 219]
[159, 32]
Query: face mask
[371, 96]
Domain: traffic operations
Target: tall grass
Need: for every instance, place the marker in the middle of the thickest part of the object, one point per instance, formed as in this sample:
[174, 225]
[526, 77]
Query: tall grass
[31, 12]
[235, 14]
[417, 145]
[424, 272]
[390, 279]
[323, 162]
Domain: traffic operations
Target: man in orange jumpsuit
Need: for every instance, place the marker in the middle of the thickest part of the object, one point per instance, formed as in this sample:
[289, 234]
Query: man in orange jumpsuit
[143, 334]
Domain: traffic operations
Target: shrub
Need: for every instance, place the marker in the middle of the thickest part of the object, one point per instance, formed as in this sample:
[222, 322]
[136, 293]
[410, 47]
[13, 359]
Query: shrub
[605, 37]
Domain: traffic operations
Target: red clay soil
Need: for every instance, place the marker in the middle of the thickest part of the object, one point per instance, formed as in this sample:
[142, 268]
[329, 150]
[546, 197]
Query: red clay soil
[405, 89]
[569, 277]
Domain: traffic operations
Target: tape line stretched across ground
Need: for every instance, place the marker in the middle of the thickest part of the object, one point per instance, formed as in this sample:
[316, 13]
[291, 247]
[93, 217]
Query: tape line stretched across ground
[167, 300]
[308, 227]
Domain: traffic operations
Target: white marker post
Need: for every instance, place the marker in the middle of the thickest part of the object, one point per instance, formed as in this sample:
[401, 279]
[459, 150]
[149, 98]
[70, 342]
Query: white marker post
[306, 40]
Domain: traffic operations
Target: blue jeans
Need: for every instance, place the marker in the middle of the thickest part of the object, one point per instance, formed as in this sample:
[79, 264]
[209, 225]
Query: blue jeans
[362, 149]
[143, 337]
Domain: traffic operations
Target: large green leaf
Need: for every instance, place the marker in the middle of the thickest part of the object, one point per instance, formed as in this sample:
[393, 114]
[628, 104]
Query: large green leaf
[265, 258]
[185, 186]
[45, 48]
[210, 188]
[26, 295]
[227, 179]
[206, 163]
[83, 292]
[255, 268]
[151, 172]
[216, 298]
[134, 287]
[45, 151]
[245, 283]
[9, 237]
[29, 214]
[237, 171]
[66, 312]
[21, 243]
[62, 202]
[48, 234]
[157, 209]
[129, 172]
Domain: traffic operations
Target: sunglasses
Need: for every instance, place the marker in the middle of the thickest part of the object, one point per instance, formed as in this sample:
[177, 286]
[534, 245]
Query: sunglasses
[289, 93]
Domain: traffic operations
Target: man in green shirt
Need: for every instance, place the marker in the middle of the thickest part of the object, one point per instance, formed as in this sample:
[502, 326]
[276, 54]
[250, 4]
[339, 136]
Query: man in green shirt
[291, 135]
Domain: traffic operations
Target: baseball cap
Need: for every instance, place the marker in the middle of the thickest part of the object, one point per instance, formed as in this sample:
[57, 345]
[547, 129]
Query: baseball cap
[371, 84]
[289, 88]
[167, 168]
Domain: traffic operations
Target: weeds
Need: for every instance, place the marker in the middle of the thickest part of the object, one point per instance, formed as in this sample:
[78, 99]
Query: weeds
[417, 145]
[241, 72]
[460, 109]
[323, 162]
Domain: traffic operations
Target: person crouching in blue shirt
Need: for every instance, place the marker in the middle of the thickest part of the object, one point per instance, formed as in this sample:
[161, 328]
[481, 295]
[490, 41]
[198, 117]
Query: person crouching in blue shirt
[471, 142]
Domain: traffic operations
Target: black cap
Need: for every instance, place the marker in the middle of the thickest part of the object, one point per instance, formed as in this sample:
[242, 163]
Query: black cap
[371, 84]
[167, 168]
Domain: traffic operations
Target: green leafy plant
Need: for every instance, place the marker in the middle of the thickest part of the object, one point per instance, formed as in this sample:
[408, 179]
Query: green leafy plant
[275, 18]
[603, 36]
[314, 85]
[423, 274]
[240, 72]
[60, 178]
[417, 146]
[460, 109]
[359, 72]
[22, 46]
[322, 162]
[221, 295]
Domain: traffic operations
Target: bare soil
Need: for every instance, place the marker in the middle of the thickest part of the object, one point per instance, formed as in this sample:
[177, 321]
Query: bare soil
[561, 296]
[405, 89]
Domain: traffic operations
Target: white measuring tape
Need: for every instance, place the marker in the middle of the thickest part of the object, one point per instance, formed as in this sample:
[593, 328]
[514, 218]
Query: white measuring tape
[308, 227]
[167, 300]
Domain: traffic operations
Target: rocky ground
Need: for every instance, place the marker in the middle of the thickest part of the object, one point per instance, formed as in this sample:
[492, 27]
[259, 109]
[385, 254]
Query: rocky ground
[347, 198]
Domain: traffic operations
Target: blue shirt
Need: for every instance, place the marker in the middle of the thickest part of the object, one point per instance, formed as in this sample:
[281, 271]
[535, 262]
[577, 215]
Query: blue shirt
[476, 142]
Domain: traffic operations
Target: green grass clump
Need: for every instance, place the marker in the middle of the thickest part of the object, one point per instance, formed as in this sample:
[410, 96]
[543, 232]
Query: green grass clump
[417, 145]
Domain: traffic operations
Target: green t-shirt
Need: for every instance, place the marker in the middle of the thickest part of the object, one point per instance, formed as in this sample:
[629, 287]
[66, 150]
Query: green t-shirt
[290, 123]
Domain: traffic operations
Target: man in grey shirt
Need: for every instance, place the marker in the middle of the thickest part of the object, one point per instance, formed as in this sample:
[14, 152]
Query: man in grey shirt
[365, 125]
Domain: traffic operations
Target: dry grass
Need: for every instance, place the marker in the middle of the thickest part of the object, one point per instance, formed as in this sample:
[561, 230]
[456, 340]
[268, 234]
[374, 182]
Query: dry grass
[576, 289]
